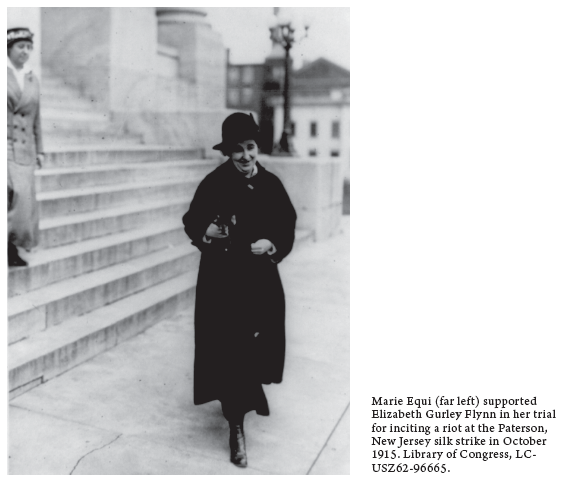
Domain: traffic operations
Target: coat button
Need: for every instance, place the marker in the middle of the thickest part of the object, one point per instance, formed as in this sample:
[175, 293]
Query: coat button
[256, 334]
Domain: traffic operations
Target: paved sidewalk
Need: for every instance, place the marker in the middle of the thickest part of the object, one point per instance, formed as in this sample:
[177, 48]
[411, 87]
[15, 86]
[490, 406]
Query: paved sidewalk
[130, 410]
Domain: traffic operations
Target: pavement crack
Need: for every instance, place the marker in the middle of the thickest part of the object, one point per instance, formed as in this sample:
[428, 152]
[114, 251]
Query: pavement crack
[92, 451]
[327, 440]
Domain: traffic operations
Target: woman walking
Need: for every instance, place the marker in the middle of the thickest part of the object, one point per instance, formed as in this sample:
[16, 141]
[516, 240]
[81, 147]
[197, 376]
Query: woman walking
[25, 147]
[243, 222]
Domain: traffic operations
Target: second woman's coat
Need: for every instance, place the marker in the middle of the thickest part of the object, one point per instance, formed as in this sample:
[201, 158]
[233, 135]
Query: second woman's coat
[24, 143]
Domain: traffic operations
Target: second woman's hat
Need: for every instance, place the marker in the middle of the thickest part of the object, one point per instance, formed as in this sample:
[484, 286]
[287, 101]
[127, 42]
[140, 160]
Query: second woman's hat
[238, 127]
[17, 34]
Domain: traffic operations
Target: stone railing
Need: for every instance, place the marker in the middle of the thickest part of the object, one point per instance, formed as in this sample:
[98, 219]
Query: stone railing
[315, 188]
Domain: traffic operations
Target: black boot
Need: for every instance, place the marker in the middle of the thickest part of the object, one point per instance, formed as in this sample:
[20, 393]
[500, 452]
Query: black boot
[237, 444]
[13, 256]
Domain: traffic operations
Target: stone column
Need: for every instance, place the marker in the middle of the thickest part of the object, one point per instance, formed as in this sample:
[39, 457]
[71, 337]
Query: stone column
[29, 17]
[202, 56]
[133, 56]
[76, 49]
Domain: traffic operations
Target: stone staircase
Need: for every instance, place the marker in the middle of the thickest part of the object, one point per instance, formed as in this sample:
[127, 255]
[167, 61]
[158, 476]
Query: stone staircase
[113, 258]
[71, 118]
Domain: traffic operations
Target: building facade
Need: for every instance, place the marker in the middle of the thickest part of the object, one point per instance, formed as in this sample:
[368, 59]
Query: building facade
[320, 111]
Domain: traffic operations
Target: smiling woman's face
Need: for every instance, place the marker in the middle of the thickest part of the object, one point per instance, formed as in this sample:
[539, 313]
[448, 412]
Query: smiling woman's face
[244, 156]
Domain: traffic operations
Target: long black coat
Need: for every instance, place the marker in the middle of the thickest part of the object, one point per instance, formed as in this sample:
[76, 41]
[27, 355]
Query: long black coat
[240, 304]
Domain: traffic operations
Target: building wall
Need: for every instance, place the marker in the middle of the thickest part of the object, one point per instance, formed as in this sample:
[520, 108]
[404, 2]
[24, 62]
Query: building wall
[76, 48]
[133, 57]
[244, 86]
[323, 115]
[202, 61]
[323, 144]
[161, 76]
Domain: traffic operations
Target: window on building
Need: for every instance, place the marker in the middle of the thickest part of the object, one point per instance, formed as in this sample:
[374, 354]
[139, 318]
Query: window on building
[335, 153]
[312, 152]
[248, 74]
[336, 94]
[233, 75]
[313, 129]
[336, 129]
[233, 97]
[278, 73]
[247, 96]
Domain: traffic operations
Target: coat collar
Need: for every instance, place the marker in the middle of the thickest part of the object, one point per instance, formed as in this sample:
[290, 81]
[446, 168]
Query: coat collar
[22, 96]
[26, 68]
[232, 169]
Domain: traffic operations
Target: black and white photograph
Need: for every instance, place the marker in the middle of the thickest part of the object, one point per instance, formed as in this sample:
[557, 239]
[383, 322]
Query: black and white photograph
[178, 279]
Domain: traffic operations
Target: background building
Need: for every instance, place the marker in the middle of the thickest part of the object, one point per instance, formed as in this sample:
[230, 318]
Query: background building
[320, 111]
[250, 87]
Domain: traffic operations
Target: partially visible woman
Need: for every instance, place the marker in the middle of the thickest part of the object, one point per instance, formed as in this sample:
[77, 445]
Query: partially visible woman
[25, 147]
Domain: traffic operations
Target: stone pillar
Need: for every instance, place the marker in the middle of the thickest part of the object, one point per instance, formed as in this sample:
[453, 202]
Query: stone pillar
[202, 56]
[29, 17]
[108, 54]
[132, 57]
[76, 49]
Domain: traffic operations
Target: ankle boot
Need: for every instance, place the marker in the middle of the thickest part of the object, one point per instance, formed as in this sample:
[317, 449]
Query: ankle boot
[13, 256]
[238, 446]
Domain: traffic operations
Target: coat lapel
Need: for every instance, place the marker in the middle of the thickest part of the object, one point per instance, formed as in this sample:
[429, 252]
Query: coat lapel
[27, 91]
[14, 90]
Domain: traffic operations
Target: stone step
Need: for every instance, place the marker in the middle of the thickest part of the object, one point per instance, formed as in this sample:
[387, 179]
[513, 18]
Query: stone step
[65, 128]
[80, 128]
[89, 155]
[47, 354]
[65, 230]
[54, 179]
[81, 200]
[51, 81]
[49, 266]
[68, 115]
[62, 99]
[56, 303]
[67, 138]
[62, 106]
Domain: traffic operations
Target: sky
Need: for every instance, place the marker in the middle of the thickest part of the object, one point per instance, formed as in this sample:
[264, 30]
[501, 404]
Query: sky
[245, 32]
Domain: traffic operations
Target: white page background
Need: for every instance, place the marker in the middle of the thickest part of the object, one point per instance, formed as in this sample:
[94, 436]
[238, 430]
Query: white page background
[457, 127]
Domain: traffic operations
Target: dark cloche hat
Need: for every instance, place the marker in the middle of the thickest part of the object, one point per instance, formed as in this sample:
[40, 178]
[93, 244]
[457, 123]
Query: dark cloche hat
[17, 34]
[238, 127]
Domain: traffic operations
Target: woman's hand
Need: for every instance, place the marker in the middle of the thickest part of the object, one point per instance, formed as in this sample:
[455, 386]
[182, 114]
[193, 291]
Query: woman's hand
[214, 231]
[261, 246]
[40, 159]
